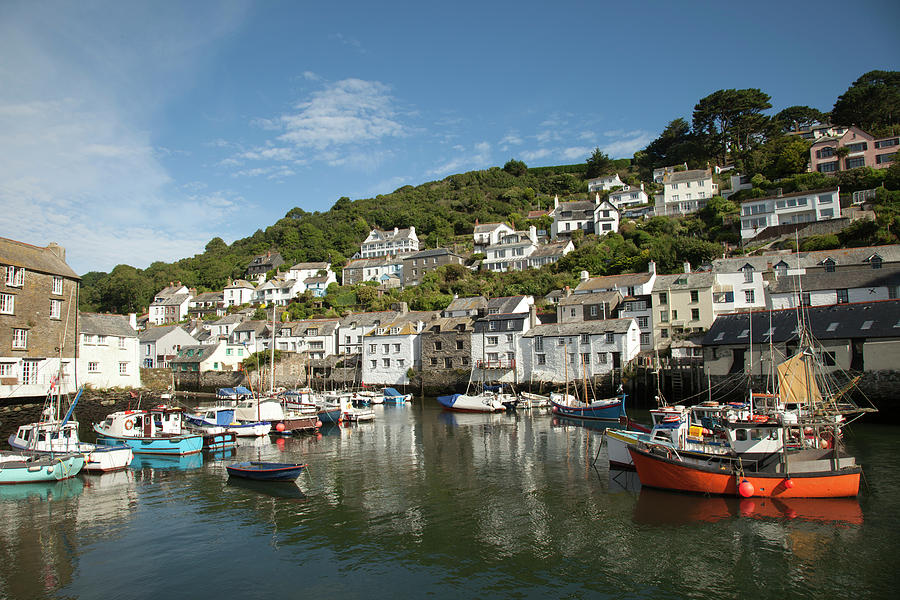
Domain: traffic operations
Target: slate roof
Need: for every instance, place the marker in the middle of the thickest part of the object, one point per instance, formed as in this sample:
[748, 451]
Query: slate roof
[473, 303]
[683, 281]
[208, 297]
[432, 252]
[691, 175]
[34, 258]
[838, 321]
[240, 283]
[504, 304]
[377, 261]
[170, 300]
[845, 278]
[445, 324]
[611, 281]
[101, 324]
[406, 323]
[551, 249]
[255, 326]
[577, 328]
[367, 319]
[487, 227]
[310, 265]
[612, 298]
[229, 319]
[391, 235]
[153, 334]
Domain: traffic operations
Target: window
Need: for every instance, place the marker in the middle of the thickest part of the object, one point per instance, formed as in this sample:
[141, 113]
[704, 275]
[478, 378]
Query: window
[855, 162]
[434, 361]
[57, 286]
[538, 343]
[509, 324]
[492, 326]
[827, 213]
[55, 309]
[29, 372]
[664, 333]
[492, 340]
[123, 367]
[695, 314]
[829, 167]
[842, 296]
[858, 147]
[663, 316]
[829, 265]
[585, 338]
[593, 310]
[586, 358]
[887, 143]
[122, 345]
[460, 345]
[93, 367]
[541, 359]
[493, 357]
[876, 262]
[6, 369]
[373, 348]
[373, 364]
[663, 298]
[645, 339]
[448, 362]
[748, 274]
[573, 359]
[804, 299]
[7, 304]
[882, 159]
[749, 296]
[20, 339]
[438, 346]
[386, 362]
[15, 276]
[509, 338]
[385, 348]
[610, 338]
[601, 358]
[396, 348]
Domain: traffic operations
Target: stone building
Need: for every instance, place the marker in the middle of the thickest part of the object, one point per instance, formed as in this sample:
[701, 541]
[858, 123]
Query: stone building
[38, 302]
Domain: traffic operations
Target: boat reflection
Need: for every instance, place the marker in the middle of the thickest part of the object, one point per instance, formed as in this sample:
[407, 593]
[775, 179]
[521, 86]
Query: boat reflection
[276, 489]
[623, 481]
[585, 424]
[222, 454]
[461, 419]
[167, 463]
[660, 507]
[68, 488]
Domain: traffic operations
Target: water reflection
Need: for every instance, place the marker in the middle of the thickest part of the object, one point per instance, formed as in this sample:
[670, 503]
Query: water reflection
[282, 490]
[660, 507]
[57, 490]
[167, 463]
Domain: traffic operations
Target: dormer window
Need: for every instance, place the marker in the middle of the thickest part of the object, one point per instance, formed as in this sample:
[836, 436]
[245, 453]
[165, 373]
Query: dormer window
[875, 261]
[829, 265]
[748, 274]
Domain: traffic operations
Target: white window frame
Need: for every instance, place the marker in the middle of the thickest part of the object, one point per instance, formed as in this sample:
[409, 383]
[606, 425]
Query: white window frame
[6, 370]
[20, 339]
[30, 372]
[57, 286]
[93, 367]
[56, 309]
[15, 276]
[123, 368]
[7, 304]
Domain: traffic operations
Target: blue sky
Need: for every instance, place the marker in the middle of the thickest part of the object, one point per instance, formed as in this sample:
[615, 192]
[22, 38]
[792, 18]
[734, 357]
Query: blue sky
[132, 132]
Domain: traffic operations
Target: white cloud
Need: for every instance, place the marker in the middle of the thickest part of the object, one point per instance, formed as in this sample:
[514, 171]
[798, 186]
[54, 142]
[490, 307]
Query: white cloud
[349, 41]
[628, 144]
[478, 158]
[531, 155]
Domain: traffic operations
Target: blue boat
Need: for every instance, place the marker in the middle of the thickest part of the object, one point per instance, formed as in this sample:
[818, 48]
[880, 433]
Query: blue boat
[17, 467]
[608, 409]
[265, 471]
[392, 396]
[157, 431]
[330, 414]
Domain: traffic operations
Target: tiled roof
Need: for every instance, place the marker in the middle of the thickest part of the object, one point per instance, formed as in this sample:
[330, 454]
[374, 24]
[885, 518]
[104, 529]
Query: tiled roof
[95, 323]
[473, 303]
[856, 276]
[153, 334]
[612, 281]
[611, 298]
[691, 175]
[577, 328]
[34, 258]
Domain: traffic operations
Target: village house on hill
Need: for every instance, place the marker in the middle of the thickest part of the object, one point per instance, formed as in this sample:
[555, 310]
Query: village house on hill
[170, 305]
[386, 243]
[160, 345]
[262, 264]
[38, 295]
[863, 150]
[685, 192]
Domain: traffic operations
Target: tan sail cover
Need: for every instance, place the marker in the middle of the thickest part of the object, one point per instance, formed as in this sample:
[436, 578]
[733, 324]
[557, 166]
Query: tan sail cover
[797, 381]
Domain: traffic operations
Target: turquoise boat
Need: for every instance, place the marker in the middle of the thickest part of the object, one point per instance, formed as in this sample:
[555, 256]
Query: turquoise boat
[19, 467]
[155, 431]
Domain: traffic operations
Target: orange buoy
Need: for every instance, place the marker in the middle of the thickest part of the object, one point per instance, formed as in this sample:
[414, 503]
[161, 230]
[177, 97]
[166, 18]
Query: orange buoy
[745, 489]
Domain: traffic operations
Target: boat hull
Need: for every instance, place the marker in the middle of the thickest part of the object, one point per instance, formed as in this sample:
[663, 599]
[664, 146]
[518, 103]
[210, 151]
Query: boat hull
[98, 459]
[259, 471]
[672, 474]
[169, 446]
[595, 411]
[472, 404]
[41, 468]
[330, 415]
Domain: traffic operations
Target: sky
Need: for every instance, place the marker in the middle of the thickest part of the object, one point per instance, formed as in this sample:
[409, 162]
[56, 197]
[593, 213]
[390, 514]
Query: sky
[135, 132]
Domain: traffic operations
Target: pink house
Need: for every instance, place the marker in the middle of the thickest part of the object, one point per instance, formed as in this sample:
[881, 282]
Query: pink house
[864, 150]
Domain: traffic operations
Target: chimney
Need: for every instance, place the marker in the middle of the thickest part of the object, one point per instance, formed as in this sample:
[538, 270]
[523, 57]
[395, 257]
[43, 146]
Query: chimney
[57, 250]
[396, 229]
[556, 201]
[597, 198]
[532, 233]
[567, 291]
[532, 316]
[132, 320]
[642, 187]
[585, 276]
[687, 267]
[651, 267]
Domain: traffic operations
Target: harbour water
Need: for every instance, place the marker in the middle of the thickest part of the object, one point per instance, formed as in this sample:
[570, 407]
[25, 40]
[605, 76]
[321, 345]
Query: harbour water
[426, 503]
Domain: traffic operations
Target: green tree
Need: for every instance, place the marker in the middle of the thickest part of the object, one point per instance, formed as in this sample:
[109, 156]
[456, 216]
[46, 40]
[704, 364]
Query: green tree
[793, 118]
[731, 119]
[598, 164]
[515, 167]
[675, 145]
[873, 100]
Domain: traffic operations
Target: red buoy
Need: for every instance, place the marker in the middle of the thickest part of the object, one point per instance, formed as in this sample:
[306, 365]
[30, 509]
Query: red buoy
[279, 428]
[745, 489]
[789, 483]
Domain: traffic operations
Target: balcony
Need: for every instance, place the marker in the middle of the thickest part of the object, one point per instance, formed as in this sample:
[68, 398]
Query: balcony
[501, 363]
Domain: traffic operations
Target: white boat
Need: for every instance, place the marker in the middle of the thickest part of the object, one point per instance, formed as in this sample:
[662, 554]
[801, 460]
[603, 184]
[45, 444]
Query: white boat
[55, 435]
[214, 419]
[155, 431]
[486, 402]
